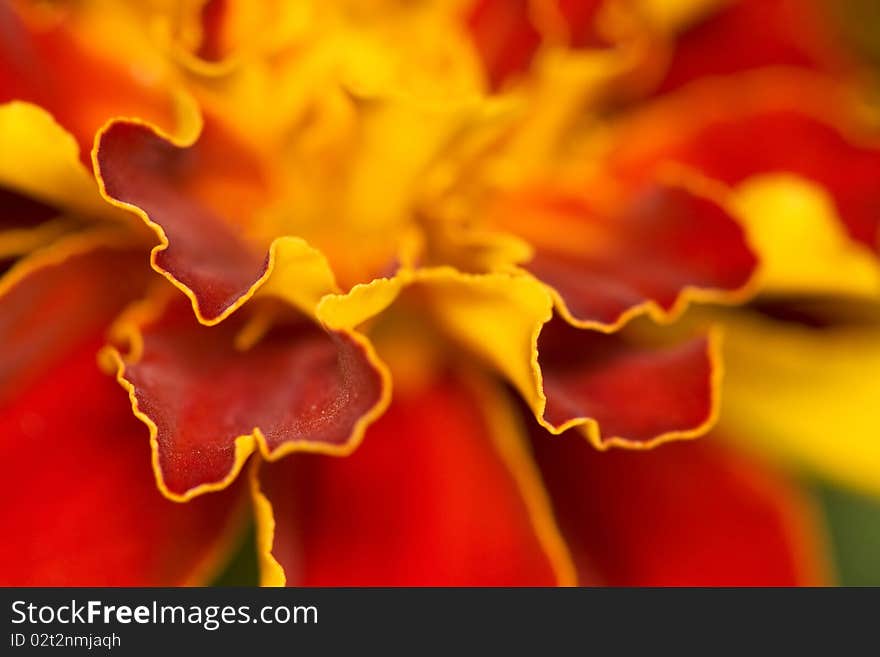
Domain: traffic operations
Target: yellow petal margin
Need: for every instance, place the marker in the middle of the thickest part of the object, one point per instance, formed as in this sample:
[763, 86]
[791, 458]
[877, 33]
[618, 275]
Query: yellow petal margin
[497, 317]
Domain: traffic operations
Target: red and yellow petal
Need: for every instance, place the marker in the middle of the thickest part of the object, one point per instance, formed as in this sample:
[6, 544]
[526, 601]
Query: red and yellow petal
[567, 375]
[44, 57]
[687, 514]
[654, 251]
[441, 492]
[198, 195]
[807, 126]
[624, 394]
[508, 34]
[210, 398]
[80, 504]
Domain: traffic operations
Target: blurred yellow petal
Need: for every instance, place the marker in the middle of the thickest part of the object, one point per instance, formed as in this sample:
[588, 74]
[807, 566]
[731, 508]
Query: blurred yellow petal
[803, 247]
[809, 397]
[42, 160]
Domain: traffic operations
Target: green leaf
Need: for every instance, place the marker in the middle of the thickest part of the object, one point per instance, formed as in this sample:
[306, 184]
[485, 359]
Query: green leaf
[854, 525]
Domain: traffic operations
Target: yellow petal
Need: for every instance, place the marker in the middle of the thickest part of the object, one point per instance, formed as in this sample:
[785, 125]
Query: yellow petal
[496, 317]
[794, 227]
[808, 397]
[41, 159]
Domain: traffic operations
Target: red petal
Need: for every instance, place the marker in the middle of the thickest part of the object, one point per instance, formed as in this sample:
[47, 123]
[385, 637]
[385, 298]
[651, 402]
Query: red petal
[687, 514]
[661, 247]
[53, 299]
[209, 403]
[198, 199]
[505, 37]
[47, 64]
[748, 34]
[426, 499]
[798, 122]
[212, 15]
[80, 505]
[580, 18]
[638, 395]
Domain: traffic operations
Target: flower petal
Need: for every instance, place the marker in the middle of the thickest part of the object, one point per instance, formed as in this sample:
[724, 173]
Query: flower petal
[505, 37]
[440, 492]
[57, 296]
[625, 394]
[567, 375]
[689, 514]
[44, 62]
[196, 196]
[41, 160]
[199, 194]
[778, 32]
[806, 395]
[654, 252]
[803, 245]
[509, 34]
[806, 126]
[209, 399]
[80, 505]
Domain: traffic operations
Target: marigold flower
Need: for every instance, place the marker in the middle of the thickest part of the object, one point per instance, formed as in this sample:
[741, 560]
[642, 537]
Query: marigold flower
[346, 271]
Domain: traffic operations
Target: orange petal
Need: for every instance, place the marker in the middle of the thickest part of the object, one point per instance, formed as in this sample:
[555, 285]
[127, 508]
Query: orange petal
[660, 248]
[80, 505]
[749, 34]
[198, 198]
[626, 394]
[688, 514]
[55, 297]
[209, 401]
[431, 497]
